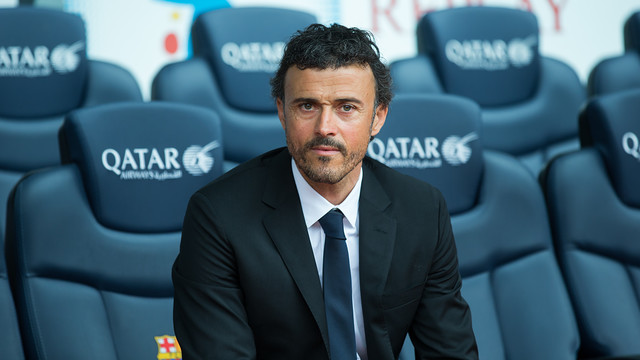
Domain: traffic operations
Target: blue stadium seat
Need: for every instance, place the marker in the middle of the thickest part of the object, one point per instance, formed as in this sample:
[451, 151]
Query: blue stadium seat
[10, 341]
[45, 73]
[622, 72]
[519, 303]
[594, 206]
[530, 103]
[90, 243]
[236, 52]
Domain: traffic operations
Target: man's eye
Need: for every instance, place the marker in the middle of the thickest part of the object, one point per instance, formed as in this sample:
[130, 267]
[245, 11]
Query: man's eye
[347, 108]
[307, 106]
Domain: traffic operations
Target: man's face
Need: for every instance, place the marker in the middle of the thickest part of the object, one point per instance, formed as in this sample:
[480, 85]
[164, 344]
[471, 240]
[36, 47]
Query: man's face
[328, 117]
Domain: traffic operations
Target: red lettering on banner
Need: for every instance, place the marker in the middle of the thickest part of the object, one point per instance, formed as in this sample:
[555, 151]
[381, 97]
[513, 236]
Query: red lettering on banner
[386, 12]
[527, 5]
[556, 7]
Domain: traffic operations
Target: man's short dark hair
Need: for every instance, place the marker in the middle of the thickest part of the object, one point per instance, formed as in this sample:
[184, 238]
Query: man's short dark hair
[322, 47]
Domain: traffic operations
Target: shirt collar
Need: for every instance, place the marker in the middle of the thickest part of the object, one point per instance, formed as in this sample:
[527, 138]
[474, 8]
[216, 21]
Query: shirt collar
[314, 206]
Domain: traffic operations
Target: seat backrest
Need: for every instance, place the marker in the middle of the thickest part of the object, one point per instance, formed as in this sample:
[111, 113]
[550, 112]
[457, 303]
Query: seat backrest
[236, 52]
[519, 304]
[631, 31]
[10, 341]
[90, 243]
[594, 204]
[621, 72]
[44, 74]
[490, 55]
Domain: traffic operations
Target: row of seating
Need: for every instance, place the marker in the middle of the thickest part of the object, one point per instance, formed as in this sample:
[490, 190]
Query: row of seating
[529, 102]
[549, 268]
[94, 182]
[44, 74]
[621, 72]
[235, 53]
[91, 238]
[594, 209]
[92, 241]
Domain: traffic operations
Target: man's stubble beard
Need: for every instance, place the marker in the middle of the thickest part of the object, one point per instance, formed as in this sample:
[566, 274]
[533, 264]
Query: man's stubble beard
[324, 174]
[320, 170]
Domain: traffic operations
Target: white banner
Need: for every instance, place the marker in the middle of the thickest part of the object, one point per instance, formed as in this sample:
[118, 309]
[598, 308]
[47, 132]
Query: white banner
[143, 35]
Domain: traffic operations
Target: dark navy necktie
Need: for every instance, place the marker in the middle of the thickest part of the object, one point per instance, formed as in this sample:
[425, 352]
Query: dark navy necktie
[336, 280]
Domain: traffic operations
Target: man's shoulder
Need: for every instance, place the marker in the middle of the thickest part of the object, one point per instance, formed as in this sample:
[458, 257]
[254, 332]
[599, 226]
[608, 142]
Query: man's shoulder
[397, 184]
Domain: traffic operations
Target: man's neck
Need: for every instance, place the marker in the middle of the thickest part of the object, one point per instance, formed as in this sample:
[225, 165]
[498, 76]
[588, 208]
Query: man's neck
[336, 193]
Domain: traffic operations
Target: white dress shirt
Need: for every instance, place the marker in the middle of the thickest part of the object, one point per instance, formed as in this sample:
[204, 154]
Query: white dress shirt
[314, 206]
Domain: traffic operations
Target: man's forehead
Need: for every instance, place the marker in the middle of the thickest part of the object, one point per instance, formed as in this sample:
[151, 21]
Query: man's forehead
[361, 67]
[355, 79]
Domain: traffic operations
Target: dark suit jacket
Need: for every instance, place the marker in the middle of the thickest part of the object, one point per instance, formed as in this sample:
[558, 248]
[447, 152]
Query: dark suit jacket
[247, 287]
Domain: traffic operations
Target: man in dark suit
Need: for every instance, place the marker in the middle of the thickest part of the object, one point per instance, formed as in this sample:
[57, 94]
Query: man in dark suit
[259, 270]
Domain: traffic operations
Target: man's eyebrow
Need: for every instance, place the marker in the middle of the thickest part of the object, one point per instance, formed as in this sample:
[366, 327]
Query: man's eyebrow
[303, 100]
[350, 100]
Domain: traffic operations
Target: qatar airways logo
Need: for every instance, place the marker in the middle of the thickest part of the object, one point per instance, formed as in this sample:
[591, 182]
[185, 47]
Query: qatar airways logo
[159, 164]
[631, 144]
[422, 153]
[39, 61]
[491, 55]
[253, 57]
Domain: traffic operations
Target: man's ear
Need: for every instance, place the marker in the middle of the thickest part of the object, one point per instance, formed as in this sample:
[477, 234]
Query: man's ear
[379, 119]
[280, 106]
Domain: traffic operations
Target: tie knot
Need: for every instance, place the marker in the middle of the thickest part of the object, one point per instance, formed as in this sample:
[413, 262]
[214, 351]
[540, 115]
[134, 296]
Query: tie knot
[331, 223]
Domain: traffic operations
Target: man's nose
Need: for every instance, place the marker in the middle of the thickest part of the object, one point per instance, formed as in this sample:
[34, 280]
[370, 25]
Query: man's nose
[327, 123]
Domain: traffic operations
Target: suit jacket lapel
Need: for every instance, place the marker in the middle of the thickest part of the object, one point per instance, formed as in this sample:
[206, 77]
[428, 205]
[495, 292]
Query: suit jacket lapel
[377, 239]
[286, 226]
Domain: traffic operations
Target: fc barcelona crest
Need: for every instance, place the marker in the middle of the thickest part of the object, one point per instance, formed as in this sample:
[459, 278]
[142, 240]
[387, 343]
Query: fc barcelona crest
[168, 348]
